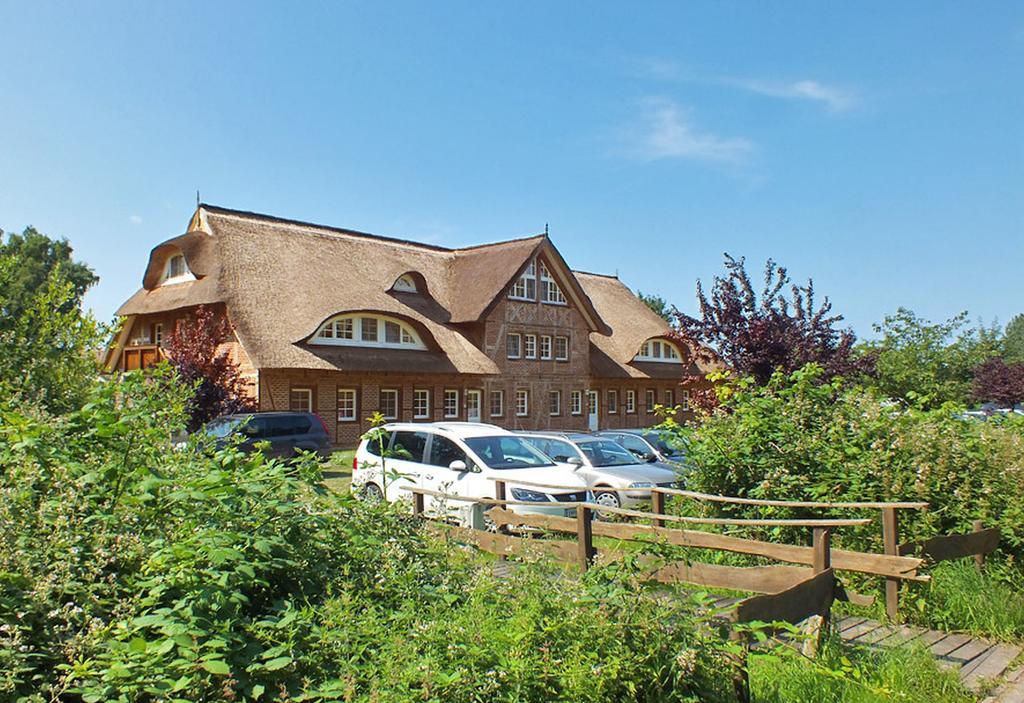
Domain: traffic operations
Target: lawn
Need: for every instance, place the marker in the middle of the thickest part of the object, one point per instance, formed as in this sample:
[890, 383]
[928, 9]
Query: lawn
[338, 471]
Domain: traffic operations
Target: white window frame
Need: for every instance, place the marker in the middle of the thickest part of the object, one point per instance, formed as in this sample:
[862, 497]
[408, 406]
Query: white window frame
[519, 345]
[353, 324]
[522, 403]
[558, 356]
[521, 288]
[684, 401]
[158, 333]
[405, 284]
[351, 396]
[550, 292]
[545, 347]
[420, 404]
[398, 399]
[451, 398]
[529, 346]
[613, 402]
[576, 402]
[670, 398]
[186, 275]
[650, 400]
[660, 351]
[630, 401]
[500, 396]
[554, 403]
[309, 398]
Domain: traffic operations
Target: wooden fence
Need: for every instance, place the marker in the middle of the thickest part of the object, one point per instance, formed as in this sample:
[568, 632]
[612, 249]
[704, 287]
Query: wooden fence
[803, 593]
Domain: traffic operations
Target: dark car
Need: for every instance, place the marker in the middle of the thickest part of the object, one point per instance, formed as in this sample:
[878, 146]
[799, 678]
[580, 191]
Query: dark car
[645, 443]
[286, 433]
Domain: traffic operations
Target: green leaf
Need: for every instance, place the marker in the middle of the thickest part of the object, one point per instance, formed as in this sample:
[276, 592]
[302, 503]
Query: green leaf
[279, 663]
[257, 690]
[217, 666]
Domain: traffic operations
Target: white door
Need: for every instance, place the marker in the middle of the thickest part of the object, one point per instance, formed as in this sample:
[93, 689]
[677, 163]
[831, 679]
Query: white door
[473, 401]
[592, 410]
[404, 467]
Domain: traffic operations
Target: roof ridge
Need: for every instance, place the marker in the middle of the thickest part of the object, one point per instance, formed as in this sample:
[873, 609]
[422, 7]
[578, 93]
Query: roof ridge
[500, 242]
[340, 230]
[601, 275]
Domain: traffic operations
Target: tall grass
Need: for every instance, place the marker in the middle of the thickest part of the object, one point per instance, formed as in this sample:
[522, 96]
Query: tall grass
[990, 602]
[842, 674]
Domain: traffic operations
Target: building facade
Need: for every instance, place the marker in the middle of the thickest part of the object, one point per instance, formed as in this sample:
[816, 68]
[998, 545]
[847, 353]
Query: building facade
[347, 324]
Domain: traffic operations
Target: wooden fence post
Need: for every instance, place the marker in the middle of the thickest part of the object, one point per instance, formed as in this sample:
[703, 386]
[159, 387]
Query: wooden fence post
[585, 536]
[658, 507]
[891, 541]
[979, 559]
[417, 503]
[499, 493]
[817, 625]
[740, 672]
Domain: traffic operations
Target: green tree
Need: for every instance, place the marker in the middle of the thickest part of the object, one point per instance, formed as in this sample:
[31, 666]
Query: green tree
[929, 363]
[1013, 341]
[658, 304]
[37, 258]
[46, 342]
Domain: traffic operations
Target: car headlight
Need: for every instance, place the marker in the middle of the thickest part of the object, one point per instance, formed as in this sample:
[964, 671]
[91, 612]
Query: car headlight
[641, 484]
[526, 495]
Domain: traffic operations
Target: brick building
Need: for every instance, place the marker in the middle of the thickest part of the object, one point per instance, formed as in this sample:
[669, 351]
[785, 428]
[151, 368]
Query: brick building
[345, 324]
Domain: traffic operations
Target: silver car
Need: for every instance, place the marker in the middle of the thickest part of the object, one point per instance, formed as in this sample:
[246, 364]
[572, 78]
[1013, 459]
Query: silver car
[612, 472]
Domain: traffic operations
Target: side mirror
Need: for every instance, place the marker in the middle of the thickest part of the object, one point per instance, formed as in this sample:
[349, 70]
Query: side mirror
[651, 458]
[575, 461]
[458, 465]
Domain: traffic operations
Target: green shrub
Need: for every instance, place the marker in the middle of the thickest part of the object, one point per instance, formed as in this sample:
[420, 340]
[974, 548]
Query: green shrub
[132, 571]
[959, 597]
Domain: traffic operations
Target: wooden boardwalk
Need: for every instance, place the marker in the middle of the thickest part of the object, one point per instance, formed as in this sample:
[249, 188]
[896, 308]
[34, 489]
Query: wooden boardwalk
[979, 661]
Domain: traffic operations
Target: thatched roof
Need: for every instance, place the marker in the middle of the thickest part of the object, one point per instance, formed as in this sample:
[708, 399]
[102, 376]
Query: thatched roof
[632, 323]
[281, 279]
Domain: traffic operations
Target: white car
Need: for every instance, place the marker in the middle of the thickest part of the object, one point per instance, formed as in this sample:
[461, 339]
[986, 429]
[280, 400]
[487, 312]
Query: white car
[615, 477]
[464, 459]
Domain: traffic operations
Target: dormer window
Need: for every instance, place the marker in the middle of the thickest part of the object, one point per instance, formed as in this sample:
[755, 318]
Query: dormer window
[549, 290]
[526, 287]
[659, 350]
[368, 331]
[405, 284]
[176, 270]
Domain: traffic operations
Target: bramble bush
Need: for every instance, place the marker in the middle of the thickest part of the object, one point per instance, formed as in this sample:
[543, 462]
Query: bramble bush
[134, 571]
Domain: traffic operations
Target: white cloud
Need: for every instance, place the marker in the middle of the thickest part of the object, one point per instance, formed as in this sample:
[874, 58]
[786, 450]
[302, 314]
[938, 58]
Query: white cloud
[835, 99]
[666, 131]
[135, 220]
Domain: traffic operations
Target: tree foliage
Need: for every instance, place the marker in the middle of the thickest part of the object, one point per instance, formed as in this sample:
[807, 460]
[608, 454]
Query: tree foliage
[39, 261]
[47, 343]
[759, 335]
[194, 351]
[997, 382]
[1013, 341]
[658, 305]
[929, 363]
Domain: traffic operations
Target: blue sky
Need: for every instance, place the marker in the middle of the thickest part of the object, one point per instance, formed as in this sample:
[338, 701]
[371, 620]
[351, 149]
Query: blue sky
[876, 147]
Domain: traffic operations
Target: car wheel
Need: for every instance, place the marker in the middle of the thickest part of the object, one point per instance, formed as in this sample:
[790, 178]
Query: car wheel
[607, 499]
[371, 493]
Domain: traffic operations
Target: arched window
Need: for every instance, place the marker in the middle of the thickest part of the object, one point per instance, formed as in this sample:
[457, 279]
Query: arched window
[659, 350]
[368, 331]
[176, 270]
[405, 284]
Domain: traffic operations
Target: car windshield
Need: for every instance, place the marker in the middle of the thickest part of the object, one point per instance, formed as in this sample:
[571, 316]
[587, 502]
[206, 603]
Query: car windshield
[506, 453]
[558, 449]
[219, 429]
[604, 452]
[663, 446]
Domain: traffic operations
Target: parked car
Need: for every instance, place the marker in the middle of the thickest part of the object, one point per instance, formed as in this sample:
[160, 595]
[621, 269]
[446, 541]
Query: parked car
[463, 459]
[615, 477]
[286, 434]
[647, 443]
